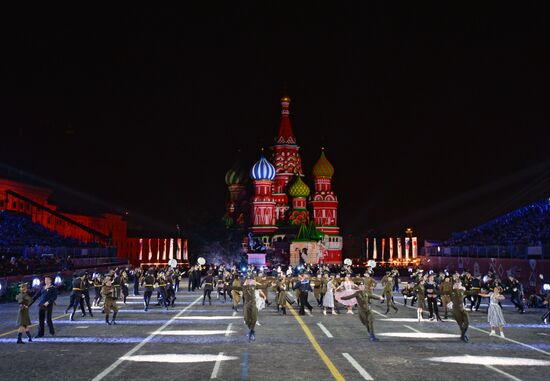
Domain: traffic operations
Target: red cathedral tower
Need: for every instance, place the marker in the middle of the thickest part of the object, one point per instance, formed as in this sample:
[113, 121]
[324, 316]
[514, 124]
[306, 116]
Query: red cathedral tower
[287, 162]
[263, 203]
[325, 209]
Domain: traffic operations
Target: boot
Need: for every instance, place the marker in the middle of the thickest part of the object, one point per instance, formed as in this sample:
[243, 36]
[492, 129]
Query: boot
[19, 340]
[29, 336]
[284, 310]
[90, 311]
[114, 318]
[395, 308]
[387, 311]
[107, 319]
[373, 338]
[71, 318]
[251, 336]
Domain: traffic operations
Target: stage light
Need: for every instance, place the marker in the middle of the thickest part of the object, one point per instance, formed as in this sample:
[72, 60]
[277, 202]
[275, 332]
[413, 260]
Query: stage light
[546, 287]
[36, 282]
[491, 360]
[243, 269]
[179, 359]
[58, 281]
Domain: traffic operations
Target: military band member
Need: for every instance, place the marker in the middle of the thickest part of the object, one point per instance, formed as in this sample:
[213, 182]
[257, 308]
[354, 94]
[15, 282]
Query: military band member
[124, 285]
[149, 284]
[76, 296]
[161, 283]
[282, 289]
[208, 282]
[109, 293]
[137, 278]
[317, 287]
[98, 282]
[86, 285]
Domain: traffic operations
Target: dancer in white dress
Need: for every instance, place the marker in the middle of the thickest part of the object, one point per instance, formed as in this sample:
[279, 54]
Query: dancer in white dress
[328, 300]
[494, 315]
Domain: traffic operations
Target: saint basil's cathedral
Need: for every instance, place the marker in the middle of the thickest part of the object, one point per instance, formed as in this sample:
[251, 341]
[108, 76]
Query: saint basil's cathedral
[284, 217]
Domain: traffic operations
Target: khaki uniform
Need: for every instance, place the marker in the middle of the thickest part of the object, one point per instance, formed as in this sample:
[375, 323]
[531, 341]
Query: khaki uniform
[365, 314]
[445, 289]
[109, 294]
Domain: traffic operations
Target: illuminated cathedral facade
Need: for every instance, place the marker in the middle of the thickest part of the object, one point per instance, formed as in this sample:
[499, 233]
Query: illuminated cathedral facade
[281, 214]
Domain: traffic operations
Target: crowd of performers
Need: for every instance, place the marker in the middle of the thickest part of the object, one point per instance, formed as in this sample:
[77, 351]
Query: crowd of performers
[455, 293]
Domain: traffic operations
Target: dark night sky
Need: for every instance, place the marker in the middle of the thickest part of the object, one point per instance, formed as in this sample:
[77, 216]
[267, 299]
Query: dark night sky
[435, 118]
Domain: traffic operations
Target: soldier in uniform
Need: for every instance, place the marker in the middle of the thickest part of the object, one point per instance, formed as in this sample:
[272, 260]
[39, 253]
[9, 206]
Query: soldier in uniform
[76, 296]
[98, 282]
[149, 283]
[208, 282]
[459, 313]
[420, 295]
[388, 287]
[365, 314]
[220, 286]
[317, 286]
[170, 292]
[124, 285]
[137, 279]
[235, 293]
[282, 288]
[86, 284]
[23, 319]
[250, 308]
[161, 281]
[109, 293]
[446, 289]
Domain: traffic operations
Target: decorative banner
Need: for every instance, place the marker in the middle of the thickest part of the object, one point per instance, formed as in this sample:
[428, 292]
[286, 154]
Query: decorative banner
[141, 249]
[407, 243]
[164, 249]
[391, 248]
[414, 247]
[178, 252]
[367, 249]
[374, 255]
[150, 251]
[383, 253]
[171, 252]
[157, 258]
[399, 249]
[185, 253]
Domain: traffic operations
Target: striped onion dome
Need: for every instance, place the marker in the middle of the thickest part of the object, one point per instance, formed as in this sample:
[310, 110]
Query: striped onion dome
[323, 168]
[236, 175]
[298, 188]
[262, 170]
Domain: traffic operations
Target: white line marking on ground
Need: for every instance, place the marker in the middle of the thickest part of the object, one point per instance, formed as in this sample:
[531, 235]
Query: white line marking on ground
[216, 366]
[412, 329]
[514, 341]
[379, 313]
[503, 373]
[358, 367]
[325, 331]
[82, 327]
[114, 365]
[218, 363]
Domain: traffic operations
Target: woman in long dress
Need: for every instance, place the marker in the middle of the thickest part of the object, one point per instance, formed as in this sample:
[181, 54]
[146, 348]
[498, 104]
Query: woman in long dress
[347, 288]
[494, 314]
[328, 300]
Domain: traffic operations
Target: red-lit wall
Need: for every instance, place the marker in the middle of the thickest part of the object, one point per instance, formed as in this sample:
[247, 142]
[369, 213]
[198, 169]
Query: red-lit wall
[112, 225]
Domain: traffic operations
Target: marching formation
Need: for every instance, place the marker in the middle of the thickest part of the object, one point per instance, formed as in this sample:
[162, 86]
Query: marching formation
[332, 289]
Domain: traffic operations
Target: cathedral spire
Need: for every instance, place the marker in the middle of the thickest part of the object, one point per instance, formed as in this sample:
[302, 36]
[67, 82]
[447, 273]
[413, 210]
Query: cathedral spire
[286, 135]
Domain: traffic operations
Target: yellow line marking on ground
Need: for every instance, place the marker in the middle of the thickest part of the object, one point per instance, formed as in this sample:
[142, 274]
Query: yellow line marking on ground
[335, 372]
[32, 325]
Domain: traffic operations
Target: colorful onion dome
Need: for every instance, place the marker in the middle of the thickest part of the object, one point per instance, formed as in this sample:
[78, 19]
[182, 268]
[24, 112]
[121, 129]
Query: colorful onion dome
[323, 168]
[236, 175]
[299, 188]
[262, 170]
